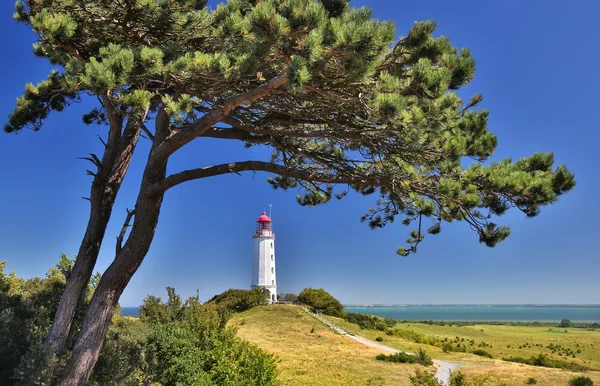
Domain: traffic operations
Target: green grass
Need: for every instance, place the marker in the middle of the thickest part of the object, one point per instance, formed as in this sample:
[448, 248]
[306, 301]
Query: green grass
[524, 341]
[310, 353]
[325, 358]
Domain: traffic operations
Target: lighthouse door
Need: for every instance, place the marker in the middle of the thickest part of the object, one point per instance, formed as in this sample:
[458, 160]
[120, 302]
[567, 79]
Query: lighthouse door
[273, 298]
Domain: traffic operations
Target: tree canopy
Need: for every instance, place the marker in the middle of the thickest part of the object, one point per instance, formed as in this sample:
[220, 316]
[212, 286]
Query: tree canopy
[321, 300]
[316, 81]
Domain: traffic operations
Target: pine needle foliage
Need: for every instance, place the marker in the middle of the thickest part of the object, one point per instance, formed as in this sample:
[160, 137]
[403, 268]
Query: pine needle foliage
[359, 107]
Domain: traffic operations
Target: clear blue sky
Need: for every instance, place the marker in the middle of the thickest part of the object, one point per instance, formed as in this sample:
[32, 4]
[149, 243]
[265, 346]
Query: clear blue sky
[537, 67]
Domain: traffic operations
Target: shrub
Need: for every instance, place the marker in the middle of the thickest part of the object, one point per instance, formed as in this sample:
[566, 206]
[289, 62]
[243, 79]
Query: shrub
[531, 381]
[581, 381]
[543, 360]
[421, 357]
[482, 353]
[565, 323]
[369, 322]
[238, 300]
[379, 339]
[321, 301]
[423, 378]
[457, 378]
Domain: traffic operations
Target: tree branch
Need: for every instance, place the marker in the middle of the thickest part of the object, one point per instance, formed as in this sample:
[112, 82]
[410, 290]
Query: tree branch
[236, 167]
[214, 116]
[222, 133]
[119, 246]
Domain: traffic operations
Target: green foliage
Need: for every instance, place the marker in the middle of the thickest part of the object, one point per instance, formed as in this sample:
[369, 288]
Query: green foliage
[381, 115]
[420, 338]
[531, 381]
[421, 357]
[543, 360]
[238, 300]
[379, 339]
[457, 378]
[190, 344]
[581, 381]
[177, 341]
[423, 378]
[565, 323]
[27, 307]
[121, 358]
[321, 301]
[369, 322]
[482, 353]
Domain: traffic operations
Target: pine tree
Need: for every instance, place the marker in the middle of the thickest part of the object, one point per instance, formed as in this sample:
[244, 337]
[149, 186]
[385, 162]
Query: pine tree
[325, 86]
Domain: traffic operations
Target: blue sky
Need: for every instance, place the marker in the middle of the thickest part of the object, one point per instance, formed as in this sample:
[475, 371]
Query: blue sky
[537, 70]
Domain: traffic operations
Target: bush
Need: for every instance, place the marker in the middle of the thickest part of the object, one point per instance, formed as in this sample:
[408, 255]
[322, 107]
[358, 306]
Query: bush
[379, 339]
[201, 349]
[423, 378]
[565, 323]
[369, 322]
[457, 378]
[27, 307]
[482, 353]
[321, 301]
[543, 360]
[581, 381]
[421, 357]
[531, 381]
[238, 300]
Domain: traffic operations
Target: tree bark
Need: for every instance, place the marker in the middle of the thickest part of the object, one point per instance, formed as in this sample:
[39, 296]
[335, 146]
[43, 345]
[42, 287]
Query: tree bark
[105, 187]
[98, 315]
[147, 208]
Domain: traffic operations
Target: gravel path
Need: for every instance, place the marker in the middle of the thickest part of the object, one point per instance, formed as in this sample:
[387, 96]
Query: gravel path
[444, 368]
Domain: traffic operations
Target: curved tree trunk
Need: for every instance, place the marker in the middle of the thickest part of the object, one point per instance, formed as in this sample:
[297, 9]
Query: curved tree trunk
[105, 187]
[114, 280]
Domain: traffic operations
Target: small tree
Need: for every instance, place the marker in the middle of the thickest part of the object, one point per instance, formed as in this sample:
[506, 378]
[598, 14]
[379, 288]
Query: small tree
[321, 301]
[565, 323]
[581, 381]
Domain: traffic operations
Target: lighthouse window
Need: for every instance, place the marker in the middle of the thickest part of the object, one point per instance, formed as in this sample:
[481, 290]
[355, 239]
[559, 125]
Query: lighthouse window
[271, 245]
[272, 282]
[272, 270]
[271, 257]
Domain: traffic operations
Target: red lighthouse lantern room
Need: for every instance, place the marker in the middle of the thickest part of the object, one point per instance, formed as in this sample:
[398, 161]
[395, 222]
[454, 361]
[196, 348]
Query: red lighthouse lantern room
[264, 225]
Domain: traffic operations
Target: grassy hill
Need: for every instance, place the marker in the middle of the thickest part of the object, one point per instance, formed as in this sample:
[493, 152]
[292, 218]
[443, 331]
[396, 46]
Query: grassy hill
[319, 356]
[500, 342]
[322, 357]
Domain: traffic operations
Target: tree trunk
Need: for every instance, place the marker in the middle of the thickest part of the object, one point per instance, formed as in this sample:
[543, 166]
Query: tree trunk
[111, 172]
[98, 315]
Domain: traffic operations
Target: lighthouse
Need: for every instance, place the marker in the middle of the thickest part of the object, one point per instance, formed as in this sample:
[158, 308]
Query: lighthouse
[263, 267]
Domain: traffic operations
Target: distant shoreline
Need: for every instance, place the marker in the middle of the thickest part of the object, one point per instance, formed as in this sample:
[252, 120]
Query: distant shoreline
[472, 305]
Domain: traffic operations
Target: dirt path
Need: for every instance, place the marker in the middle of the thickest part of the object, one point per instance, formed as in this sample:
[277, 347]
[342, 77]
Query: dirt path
[444, 368]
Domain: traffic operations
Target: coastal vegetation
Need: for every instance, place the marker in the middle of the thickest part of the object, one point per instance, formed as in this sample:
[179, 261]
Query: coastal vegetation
[421, 357]
[321, 301]
[173, 342]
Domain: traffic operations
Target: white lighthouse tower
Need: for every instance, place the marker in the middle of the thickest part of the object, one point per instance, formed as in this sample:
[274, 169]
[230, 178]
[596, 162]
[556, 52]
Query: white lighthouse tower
[263, 267]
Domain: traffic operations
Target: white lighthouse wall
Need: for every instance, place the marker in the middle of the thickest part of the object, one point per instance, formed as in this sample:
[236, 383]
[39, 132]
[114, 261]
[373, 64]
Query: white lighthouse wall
[263, 267]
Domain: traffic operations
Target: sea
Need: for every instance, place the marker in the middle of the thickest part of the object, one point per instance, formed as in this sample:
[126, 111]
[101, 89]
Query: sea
[505, 313]
[588, 314]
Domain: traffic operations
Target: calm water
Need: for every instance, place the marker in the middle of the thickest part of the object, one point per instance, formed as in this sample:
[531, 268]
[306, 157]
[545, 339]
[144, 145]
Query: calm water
[505, 314]
[130, 311]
